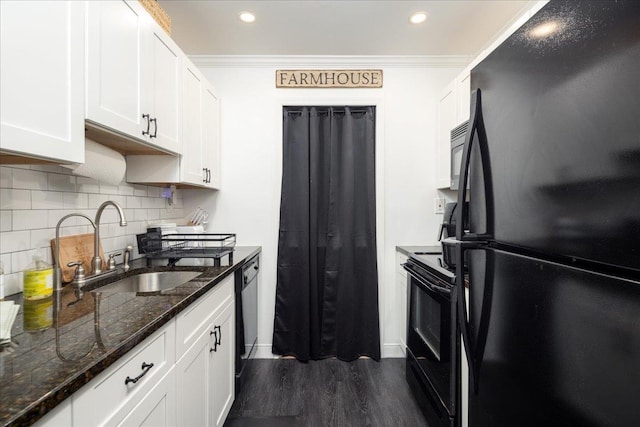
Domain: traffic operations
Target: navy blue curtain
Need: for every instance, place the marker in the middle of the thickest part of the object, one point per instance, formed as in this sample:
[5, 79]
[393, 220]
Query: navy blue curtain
[327, 284]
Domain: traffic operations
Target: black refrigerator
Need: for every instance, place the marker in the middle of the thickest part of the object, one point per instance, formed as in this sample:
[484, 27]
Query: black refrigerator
[552, 250]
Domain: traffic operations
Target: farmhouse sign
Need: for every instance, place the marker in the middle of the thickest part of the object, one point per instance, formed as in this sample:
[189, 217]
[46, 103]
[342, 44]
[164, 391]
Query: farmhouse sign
[328, 78]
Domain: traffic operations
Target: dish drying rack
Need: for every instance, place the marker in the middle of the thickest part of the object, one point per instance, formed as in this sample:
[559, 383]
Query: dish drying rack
[175, 246]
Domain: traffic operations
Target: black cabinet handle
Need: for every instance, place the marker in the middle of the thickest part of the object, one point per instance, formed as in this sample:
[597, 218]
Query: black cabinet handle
[155, 127]
[208, 175]
[217, 339]
[146, 367]
[204, 170]
[146, 116]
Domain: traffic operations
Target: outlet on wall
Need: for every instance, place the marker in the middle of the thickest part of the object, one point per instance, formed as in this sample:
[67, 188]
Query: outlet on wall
[439, 205]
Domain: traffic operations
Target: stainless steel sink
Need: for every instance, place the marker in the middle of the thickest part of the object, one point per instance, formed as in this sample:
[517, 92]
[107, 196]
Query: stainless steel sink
[149, 282]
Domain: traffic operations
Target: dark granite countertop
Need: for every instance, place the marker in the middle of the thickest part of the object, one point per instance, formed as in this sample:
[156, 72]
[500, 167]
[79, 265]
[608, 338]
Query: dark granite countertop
[54, 353]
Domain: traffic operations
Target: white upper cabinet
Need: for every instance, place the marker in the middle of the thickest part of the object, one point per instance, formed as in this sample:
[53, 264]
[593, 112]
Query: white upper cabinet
[191, 167]
[114, 66]
[463, 97]
[133, 74]
[447, 118]
[199, 164]
[211, 136]
[42, 83]
[164, 95]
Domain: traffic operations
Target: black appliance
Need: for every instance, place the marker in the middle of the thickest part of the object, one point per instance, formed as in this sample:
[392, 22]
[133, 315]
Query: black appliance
[457, 145]
[552, 154]
[448, 232]
[433, 339]
[246, 293]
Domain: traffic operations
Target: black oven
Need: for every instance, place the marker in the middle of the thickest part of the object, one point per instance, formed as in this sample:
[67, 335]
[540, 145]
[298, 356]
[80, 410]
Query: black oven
[433, 342]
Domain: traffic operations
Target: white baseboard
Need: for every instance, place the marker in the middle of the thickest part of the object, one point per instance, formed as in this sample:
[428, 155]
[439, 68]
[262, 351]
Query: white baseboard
[393, 350]
[263, 351]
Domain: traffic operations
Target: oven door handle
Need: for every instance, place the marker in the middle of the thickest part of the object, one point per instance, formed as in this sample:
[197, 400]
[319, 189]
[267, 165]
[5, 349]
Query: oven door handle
[431, 286]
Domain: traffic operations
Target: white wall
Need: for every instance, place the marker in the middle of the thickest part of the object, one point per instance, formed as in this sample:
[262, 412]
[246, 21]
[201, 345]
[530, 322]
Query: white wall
[251, 135]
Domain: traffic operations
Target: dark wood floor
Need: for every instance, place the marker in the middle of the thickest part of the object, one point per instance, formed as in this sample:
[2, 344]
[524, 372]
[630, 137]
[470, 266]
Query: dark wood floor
[325, 393]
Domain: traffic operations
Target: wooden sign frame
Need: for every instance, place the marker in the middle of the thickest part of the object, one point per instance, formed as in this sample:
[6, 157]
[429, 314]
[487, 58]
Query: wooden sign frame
[321, 79]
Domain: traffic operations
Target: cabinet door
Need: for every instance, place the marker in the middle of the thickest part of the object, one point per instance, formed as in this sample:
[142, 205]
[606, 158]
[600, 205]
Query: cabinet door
[115, 40]
[165, 71]
[211, 137]
[59, 416]
[42, 85]
[157, 408]
[463, 97]
[446, 122]
[222, 371]
[193, 373]
[192, 162]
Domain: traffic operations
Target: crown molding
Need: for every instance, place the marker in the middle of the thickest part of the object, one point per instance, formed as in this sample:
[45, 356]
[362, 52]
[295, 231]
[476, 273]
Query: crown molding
[282, 61]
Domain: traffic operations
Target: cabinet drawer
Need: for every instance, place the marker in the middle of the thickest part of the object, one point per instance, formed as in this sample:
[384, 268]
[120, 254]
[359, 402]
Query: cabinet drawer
[107, 394]
[192, 322]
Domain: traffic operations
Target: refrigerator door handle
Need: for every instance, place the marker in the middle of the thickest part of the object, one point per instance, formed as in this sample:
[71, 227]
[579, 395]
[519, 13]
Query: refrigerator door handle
[463, 319]
[474, 346]
[476, 126]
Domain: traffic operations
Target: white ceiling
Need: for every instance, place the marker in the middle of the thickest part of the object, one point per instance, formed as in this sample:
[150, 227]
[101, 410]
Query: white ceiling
[343, 27]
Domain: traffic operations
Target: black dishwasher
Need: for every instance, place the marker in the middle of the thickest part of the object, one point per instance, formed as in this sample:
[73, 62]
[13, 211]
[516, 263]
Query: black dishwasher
[246, 291]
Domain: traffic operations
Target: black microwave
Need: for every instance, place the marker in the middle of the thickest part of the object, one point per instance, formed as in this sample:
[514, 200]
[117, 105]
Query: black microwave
[458, 134]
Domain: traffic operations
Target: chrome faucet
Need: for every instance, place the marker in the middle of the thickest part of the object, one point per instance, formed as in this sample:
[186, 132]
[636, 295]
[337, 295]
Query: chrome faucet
[97, 261]
[57, 271]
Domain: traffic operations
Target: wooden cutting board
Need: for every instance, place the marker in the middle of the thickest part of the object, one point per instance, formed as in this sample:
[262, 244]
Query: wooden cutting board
[78, 247]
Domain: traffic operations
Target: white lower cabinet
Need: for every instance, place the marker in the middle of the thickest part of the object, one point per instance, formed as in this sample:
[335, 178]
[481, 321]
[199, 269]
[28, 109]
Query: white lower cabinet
[222, 378]
[197, 390]
[205, 373]
[157, 408]
[118, 392]
[60, 416]
[401, 288]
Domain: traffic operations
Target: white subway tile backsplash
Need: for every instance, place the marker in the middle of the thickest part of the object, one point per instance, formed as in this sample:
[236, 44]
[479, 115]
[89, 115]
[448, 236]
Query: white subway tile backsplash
[15, 199]
[42, 238]
[139, 190]
[6, 177]
[14, 241]
[47, 200]
[108, 189]
[125, 189]
[22, 260]
[34, 198]
[29, 179]
[75, 200]
[12, 283]
[153, 214]
[160, 203]
[133, 202]
[5, 259]
[87, 185]
[29, 220]
[59, 182]
[5, 220]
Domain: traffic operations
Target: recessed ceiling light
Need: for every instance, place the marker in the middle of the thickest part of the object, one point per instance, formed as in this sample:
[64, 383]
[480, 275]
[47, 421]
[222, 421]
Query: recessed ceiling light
[247, 17]
[418, 17]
